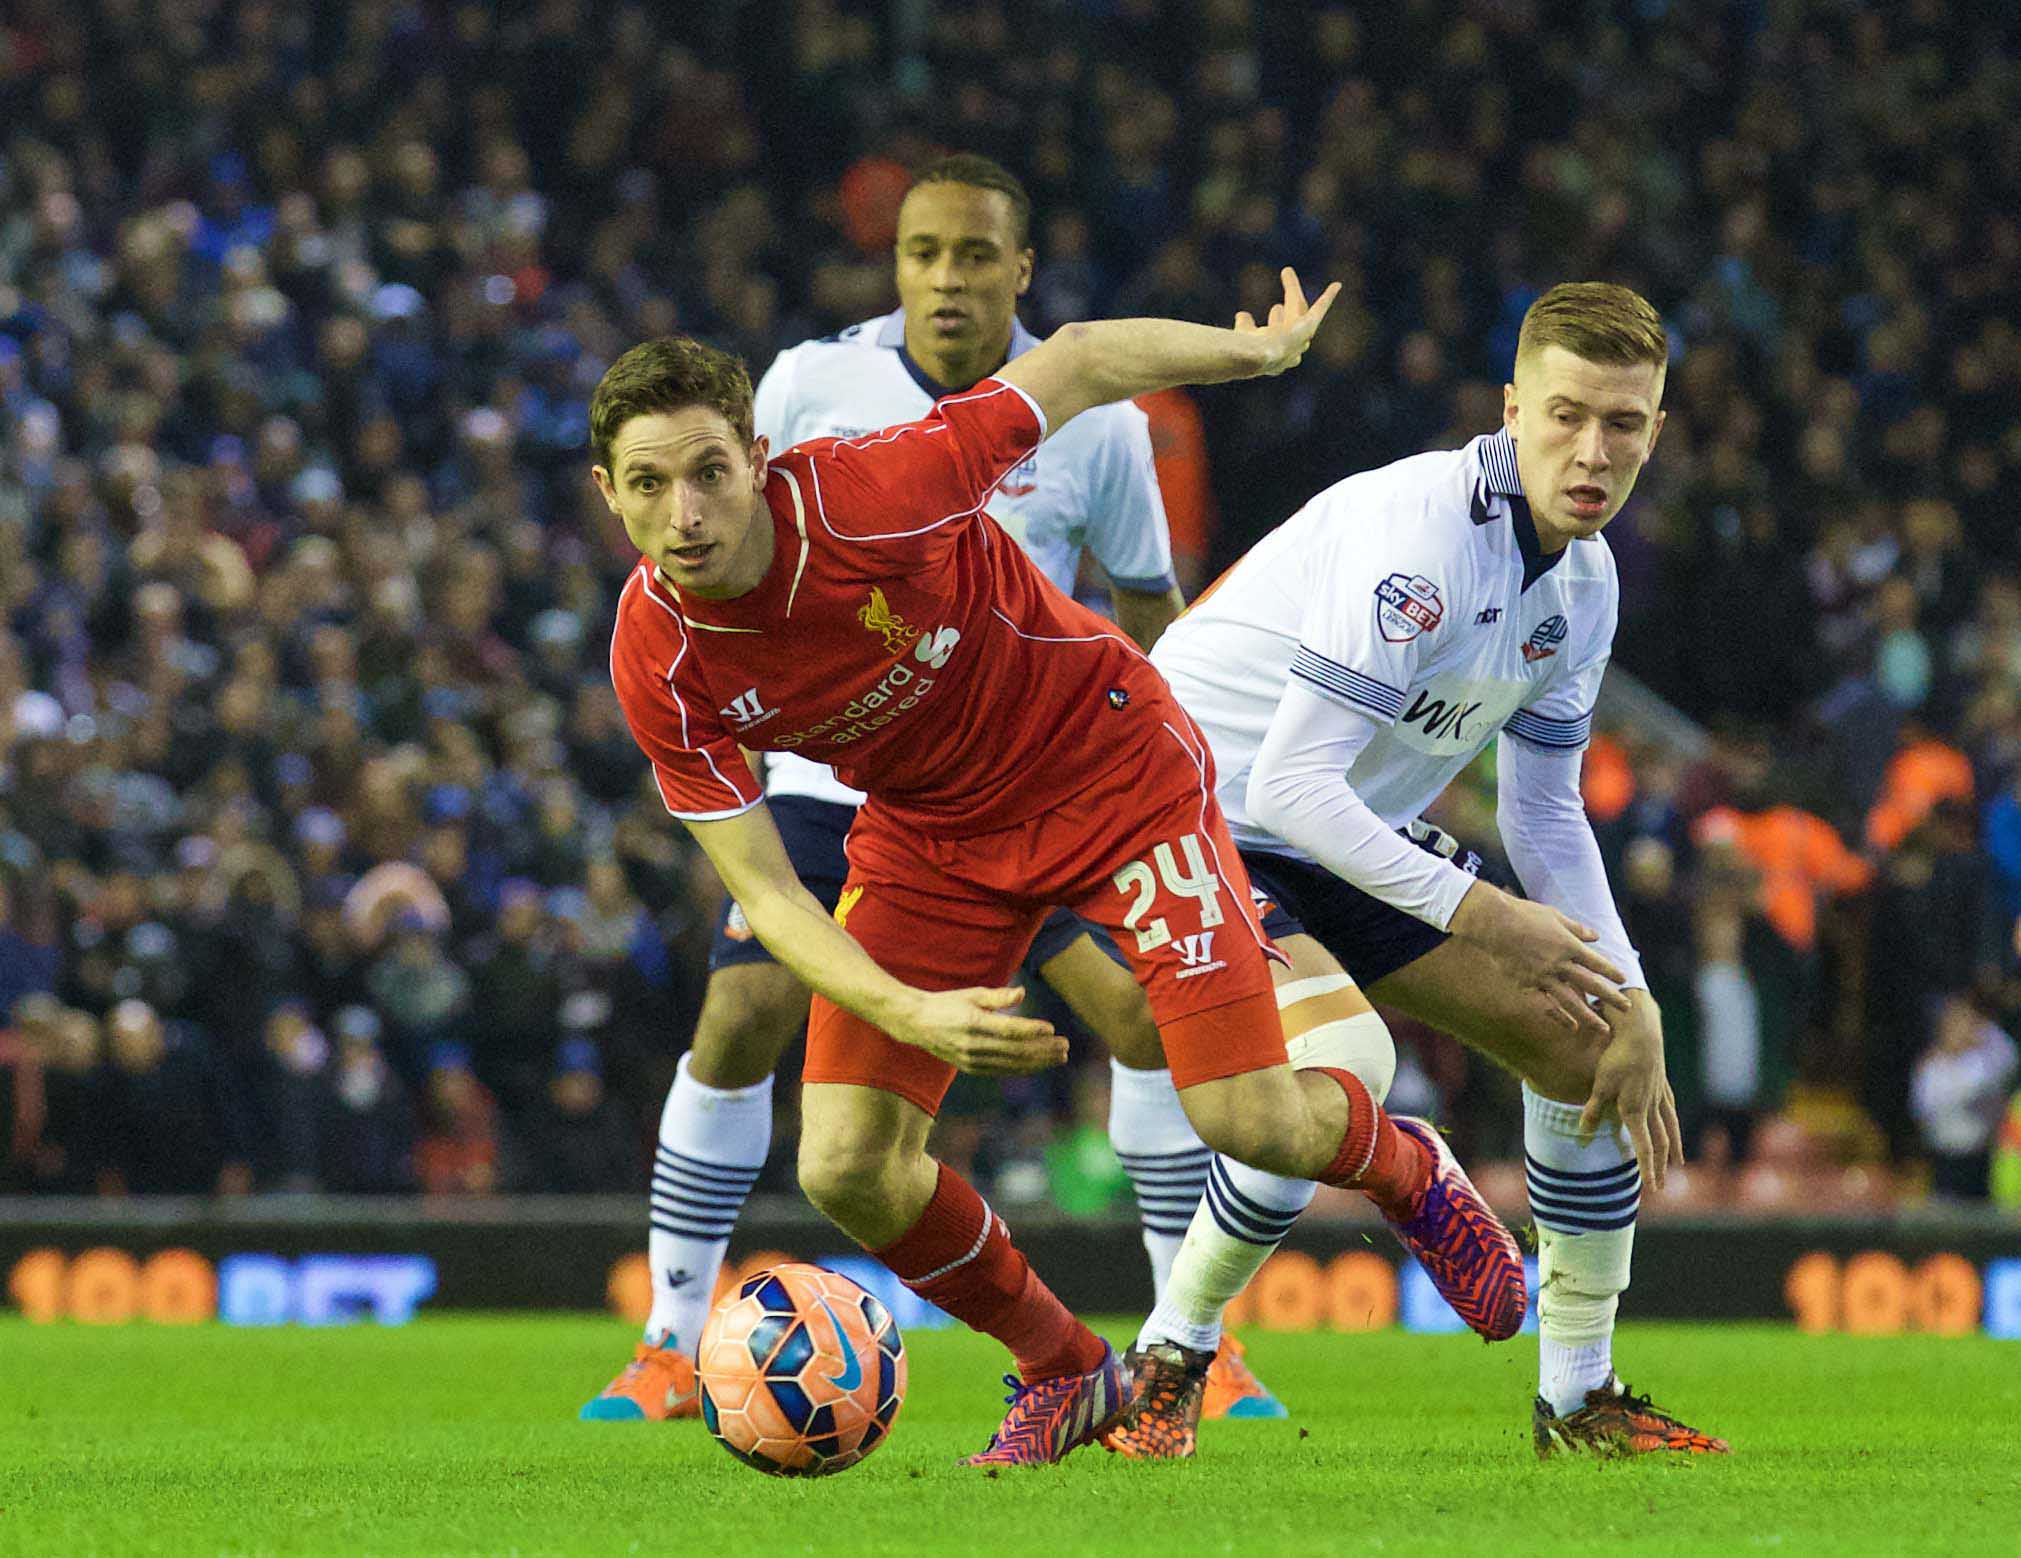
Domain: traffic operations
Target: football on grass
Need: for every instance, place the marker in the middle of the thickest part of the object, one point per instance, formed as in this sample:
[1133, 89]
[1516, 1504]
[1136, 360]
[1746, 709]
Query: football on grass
[802, 1372]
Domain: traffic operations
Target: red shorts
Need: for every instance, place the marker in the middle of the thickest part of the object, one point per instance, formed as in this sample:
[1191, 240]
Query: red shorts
[1144, 852]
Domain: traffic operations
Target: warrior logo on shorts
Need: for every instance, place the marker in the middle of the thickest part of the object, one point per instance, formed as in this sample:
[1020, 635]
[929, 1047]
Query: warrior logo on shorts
[1197, 953]
[1407, 606]
[878, 616]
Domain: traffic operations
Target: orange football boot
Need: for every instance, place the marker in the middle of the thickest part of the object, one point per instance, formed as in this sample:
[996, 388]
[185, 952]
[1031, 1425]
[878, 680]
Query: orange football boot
[656, 1385]
[1233, 1390]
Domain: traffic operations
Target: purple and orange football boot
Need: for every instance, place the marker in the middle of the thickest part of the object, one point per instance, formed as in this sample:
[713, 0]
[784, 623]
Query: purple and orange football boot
[1168, 1386]
[1052, 1417]
[1471, 1258]
[1617, 1422]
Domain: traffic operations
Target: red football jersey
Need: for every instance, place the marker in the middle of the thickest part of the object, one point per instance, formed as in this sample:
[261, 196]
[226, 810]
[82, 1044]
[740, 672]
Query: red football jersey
[899, 636]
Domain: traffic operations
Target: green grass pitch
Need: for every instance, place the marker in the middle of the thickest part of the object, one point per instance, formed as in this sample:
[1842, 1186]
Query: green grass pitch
[458, 1435]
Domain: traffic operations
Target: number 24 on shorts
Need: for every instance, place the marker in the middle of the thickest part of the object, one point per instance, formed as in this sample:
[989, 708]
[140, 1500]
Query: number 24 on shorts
[1195, 881]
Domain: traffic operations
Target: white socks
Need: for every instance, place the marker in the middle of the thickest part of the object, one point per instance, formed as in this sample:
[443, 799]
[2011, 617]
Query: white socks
[1243, 1218]
[713, 1143]
[1246, 1213]
[1584, 1199]
[1165, 1159]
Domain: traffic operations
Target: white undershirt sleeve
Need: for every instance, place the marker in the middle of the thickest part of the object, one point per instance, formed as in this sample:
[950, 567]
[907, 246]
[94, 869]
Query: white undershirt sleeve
[1550, 843]
[1298, 790]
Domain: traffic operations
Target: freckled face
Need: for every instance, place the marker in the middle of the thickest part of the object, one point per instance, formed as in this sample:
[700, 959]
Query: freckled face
[691, 495]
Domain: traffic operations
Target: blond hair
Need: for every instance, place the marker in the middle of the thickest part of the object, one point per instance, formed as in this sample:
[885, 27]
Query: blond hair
[1597, 321]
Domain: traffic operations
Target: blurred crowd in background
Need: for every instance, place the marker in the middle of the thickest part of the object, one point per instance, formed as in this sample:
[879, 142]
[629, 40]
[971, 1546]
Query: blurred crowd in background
[325, 858]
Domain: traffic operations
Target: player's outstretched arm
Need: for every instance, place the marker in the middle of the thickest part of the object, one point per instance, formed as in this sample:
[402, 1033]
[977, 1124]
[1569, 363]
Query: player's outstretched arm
[972, 1030]
[1102, 360]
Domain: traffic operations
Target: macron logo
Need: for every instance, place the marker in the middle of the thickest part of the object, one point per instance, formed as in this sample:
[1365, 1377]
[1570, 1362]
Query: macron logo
[747, 710]
[1197, 953]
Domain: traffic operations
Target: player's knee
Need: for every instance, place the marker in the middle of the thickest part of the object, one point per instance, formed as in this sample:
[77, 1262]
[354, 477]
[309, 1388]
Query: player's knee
[1531, 1039]
[1561, 1064]
[846, 1176]
[1359, 1042]
[835, 1178]
[748, 1018]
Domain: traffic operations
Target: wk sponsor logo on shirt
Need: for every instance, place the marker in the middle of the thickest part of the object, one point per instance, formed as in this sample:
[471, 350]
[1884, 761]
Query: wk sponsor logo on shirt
[1544, 642]
[876, 615]
[1407, 605]
[1439, 718]
[747, 711]
[1197, 953]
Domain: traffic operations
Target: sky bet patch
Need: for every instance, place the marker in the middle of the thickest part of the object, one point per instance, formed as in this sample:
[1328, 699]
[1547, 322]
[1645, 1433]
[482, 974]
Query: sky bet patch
[1406, 607]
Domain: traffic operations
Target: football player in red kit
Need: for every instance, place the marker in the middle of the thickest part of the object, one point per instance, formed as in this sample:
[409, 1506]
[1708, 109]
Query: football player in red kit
[850, 599]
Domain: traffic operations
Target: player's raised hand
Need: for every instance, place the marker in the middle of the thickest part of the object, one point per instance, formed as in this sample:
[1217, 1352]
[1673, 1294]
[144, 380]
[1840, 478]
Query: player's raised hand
[1547, 952]
[1289, 330]
[1631, 1085]
[978, 1031]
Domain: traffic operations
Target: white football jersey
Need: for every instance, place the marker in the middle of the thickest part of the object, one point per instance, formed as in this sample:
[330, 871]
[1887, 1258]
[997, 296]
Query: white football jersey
[1415, 595]
[1090, 487]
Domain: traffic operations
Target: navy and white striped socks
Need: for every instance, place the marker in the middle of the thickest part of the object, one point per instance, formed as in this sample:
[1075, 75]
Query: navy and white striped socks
[1243, 1217]
[713, 1143]
[1255, 1207]
[1164, 1157]
[1584, 1197]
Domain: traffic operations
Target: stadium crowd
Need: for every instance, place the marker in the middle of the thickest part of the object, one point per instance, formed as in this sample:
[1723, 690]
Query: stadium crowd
[325, 857]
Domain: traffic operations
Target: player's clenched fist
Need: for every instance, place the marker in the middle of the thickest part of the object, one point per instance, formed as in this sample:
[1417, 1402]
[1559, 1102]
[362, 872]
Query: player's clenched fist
[976, 1031]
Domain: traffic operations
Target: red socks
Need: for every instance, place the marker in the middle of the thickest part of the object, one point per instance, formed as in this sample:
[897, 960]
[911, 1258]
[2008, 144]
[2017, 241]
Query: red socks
[959, 1255]
[1376, 1158]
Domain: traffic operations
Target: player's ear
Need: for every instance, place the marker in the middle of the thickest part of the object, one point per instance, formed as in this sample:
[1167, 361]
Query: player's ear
[1655, 432]
[1024, 271]
[603, 486]
[761, 449]
[1509, 407]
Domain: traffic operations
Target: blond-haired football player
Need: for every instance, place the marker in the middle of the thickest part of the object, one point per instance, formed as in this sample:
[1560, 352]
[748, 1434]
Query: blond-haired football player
[1344, 672]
